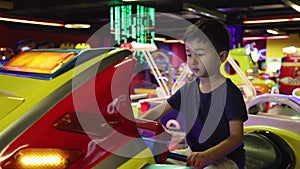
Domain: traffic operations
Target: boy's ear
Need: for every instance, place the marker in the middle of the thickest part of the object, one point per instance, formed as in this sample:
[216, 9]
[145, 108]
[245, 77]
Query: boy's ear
[223, 56]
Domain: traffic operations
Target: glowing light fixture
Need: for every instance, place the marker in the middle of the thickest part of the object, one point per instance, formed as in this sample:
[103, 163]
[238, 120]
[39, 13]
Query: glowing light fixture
[45, 23]
[272, 32]
[168, 40]
[132, 23]
[203, 11]
[265, 37]
[191, 9]
[258, 21]
[292, 4]
[296, 7]
[31, 22]
[159, 39]
[174, 41]
[36, 158]
[289, 50]
[77, 26]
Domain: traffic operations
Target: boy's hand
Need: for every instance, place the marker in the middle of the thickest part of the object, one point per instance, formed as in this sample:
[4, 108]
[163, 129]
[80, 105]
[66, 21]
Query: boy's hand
[197, 159]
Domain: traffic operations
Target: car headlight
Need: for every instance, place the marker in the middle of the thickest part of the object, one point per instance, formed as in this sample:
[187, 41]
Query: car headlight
[36, 158]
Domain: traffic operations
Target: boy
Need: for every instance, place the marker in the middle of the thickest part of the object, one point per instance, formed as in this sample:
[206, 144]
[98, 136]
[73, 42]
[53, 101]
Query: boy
[212, 105]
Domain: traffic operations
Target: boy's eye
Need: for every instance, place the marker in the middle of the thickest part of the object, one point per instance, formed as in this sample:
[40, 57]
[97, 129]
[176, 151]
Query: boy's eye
[194, 54]
[188, 53]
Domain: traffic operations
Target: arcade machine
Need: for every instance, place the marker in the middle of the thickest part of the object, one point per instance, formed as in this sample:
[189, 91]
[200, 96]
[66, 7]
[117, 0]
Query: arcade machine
[143, 97]
[296, 92]
[146, 49]
[260, 75]
[67, 45]
[270, 142]
[6, 54]
[25, 44]
[248, 69]
[289, 78]
[53, 113]
[273, 65]
[235, 68]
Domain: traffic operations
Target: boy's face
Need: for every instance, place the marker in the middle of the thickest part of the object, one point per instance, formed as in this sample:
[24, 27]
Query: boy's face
[202, 58]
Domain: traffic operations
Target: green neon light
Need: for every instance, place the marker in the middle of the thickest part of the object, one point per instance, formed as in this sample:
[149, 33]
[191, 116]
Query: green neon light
[136, 22]
[111, 18]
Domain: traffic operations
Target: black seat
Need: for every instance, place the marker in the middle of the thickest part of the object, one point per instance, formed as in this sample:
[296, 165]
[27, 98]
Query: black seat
[266, 150]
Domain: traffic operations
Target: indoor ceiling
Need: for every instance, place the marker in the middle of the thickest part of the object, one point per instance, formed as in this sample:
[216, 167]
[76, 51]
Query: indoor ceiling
[96, 12]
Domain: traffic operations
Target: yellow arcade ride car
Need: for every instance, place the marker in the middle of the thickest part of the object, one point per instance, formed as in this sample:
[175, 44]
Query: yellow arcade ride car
[70, 108]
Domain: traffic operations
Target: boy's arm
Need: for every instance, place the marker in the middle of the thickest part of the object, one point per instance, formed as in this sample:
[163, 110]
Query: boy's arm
[230, 143]
[198, 159]
[158, 111]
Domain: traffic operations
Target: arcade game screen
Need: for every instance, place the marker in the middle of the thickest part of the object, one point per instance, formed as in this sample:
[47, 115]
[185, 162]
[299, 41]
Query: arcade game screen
[47, 62]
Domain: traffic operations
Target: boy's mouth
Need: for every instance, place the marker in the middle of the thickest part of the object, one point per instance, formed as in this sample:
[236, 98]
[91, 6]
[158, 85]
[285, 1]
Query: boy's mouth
[195, 69]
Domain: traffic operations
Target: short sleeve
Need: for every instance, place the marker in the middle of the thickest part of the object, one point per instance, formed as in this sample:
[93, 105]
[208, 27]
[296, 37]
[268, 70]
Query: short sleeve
[175, 100]
[235, 105]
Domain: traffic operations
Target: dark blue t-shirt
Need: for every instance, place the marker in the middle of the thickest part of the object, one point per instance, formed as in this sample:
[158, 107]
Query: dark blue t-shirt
[207, 115]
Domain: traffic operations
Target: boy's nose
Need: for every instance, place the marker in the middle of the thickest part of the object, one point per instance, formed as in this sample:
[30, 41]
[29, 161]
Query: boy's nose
[195, 60]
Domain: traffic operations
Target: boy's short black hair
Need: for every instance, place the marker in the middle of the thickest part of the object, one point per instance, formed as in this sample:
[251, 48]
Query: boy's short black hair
[215, 31]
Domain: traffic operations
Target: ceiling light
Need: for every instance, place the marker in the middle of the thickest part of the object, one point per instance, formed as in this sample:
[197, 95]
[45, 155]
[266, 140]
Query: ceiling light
[45, 23]
[190, 16]
[296, 7]
[174, 41]
[265, 37]
[203, 11]
[268, 6]
[272, 32]
[77, 26]
[191, 9]
[292, 4]
[31, 21]
[258, 21]
[159, 39]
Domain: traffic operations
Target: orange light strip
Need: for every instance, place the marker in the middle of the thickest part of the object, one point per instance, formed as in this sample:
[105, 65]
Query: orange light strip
[31, 22]
[271, 20]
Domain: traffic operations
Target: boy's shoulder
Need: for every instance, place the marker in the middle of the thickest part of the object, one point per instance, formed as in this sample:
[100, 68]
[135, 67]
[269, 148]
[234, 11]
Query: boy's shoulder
[232, 89]
[190, 86]
[230, 84]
